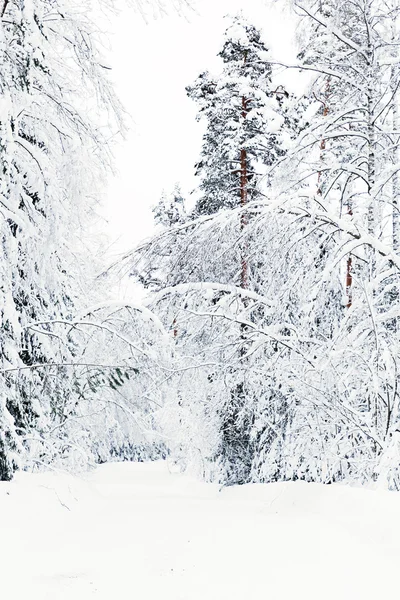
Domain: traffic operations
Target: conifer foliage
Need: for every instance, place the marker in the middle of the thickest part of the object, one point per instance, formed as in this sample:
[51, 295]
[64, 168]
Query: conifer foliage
[241, 111]
[292, 371]
[268, 348]
[249, 126]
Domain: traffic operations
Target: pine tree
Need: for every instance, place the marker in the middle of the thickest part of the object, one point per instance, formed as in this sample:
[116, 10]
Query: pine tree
[295, 375]
[249, 126]
[243, 119]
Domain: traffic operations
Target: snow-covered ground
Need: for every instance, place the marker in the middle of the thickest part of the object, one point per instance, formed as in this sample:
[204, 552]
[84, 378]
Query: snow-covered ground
[136, 531]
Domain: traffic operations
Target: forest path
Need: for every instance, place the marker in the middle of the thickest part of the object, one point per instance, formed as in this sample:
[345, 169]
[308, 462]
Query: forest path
[136, 531]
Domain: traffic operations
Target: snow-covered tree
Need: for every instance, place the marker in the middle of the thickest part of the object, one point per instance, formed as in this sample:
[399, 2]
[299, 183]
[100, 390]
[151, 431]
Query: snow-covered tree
[249, 127]
[170, 209]
[292, 371]
[243, 119]
[53, 152]
[348, 157]
[350, 47]
[122, 353]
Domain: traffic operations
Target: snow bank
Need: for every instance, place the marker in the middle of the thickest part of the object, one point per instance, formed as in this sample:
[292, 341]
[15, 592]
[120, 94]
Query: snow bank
[138, 531]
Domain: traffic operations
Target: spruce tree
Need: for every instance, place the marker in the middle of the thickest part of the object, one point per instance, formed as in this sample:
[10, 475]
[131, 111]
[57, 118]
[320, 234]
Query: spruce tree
[170, 210]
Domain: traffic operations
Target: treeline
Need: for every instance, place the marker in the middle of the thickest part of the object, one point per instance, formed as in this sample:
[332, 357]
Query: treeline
[268, 348]
[61, 375]
[280, 288]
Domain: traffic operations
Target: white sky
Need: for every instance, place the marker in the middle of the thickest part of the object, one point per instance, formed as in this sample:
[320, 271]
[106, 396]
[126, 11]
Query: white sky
[152, 63]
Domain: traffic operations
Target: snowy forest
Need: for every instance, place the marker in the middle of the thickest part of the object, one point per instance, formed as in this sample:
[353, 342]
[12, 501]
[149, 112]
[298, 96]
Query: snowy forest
[265, 346]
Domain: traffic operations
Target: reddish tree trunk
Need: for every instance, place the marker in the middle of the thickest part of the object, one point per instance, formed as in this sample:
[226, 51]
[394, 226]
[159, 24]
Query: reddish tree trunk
[244, 282]
[174, 328]
[349, 273]
[349, 283]
[244, 180]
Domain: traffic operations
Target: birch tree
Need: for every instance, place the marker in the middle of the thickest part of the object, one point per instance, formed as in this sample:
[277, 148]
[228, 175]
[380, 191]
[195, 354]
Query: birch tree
[348, 155]
[53, 153]
[312, 336]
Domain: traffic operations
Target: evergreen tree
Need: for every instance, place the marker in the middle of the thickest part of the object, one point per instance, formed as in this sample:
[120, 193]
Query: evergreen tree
[292, 371]
[243, 117]
[249, 127]
[170, 210]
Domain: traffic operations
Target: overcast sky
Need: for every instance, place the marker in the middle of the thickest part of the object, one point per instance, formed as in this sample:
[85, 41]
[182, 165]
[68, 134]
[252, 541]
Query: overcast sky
[152, 63]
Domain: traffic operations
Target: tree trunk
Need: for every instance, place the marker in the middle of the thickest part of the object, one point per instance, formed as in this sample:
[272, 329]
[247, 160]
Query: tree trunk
[371, 166]
[237, 446]
[396, 160]
[244, 181]
[349, 275]
[244, 218]
[244, 276]
[323, 141]
[349, 282]
[174, 328]
[349, 269]
[3, 10]
[6, 470]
